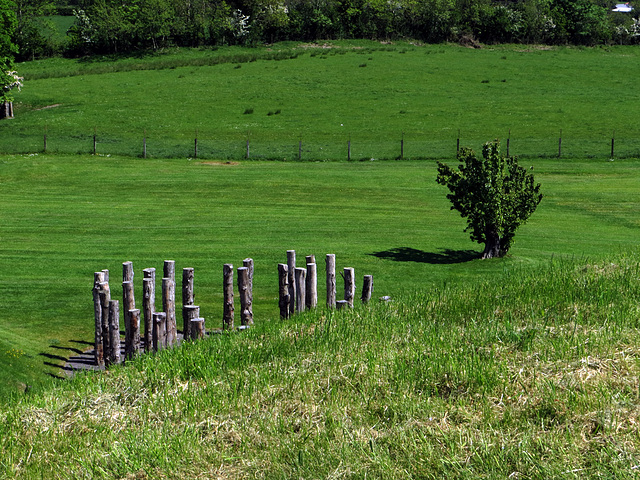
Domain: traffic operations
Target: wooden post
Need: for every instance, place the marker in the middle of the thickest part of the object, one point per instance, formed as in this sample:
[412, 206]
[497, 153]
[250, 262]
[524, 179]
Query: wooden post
[114, 332]
[248, 262]
[367, 288]
[127, 272]
[148, 305]
[311, 286]
[95, 132]
[342, 304]
[243, 292]
[247, 146]
[291, 264]
[106, 275]
[189, 312]
[349, 285]
[330, 261]
[197, 329]
[227, 286]
[349, 149]
[105, 298]
[613, 136]
[195, 146]
[128, 304]
[159, 331]
[560, 144]
[169, 307]
[169, 270]
[300, 279]
[132, 335]
[187, 298]
[508, 142]
[284, 297]
[98, 279]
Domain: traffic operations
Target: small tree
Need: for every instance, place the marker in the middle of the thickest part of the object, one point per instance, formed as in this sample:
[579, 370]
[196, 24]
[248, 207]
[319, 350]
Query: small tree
[493, 193]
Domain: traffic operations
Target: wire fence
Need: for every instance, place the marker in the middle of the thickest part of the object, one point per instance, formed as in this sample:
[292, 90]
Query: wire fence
[318, 148]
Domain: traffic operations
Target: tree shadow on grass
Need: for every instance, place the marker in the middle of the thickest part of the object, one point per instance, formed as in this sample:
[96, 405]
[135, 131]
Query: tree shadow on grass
[444, 257]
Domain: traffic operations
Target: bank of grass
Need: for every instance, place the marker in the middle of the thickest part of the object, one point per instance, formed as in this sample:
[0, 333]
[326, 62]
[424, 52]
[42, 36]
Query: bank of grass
[324, 95]
[529, 374]
[65, 217]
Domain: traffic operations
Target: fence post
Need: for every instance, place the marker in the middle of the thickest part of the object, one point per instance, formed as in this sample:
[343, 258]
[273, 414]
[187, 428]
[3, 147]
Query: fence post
[243, 292]
[349, 149]
[98, 279]
[300, 279]
[132, 334]
[169, 307]
[95, 132]
[349, 285]
[189, 313]
[195, 146]
[284, 297]
[187, 298]
[227, 285]
[128, 304]
[291, 264]
[197, 329]
[330, 261]
[105, 298]
[367, 288]
[114, 332]
[159, 331]
[613, 136]
[508, 142]
[248, 262]
[148, 309]
[311, 286]
[402, 147]
[458, 143]
[560, 144]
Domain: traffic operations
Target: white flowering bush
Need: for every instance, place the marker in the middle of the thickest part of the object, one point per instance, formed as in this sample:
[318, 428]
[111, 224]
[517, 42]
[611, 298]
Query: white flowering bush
[239, 25]
[9, 80]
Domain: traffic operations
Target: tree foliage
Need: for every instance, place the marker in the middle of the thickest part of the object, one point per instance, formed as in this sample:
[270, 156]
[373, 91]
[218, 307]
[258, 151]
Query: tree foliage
[8, 78]
[493, 193]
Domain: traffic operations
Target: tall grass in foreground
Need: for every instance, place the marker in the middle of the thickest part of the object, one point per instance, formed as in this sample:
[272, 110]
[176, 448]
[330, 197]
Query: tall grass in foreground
[533, 374]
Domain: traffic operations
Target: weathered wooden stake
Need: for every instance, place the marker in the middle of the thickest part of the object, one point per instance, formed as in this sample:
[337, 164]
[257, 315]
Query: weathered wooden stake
[114, 332]
[132, 335]
[227, 286]
[187, 298]
[94, 139]
[247, 147]
[311, 286]
[349, 149]
[169, 270]
[284, 297]
[243, 291]
[105, 298]
[197, 329]
[300, 279]
[330, 261]
[195, 146]
[98, 279]
[127, 272]
[560, 144]
[291, 264]
[349, 285]
[159, 331]
[613, 136]
[248, 263]
[169, 307]
[189, 312]
[458, 142]
[148, 305]
[367, 288]
[106, 275]
[128, 304]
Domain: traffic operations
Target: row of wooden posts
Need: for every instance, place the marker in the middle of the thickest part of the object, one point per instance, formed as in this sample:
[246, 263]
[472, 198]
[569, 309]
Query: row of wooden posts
[298, 291]
[298, 286]
[160, 328]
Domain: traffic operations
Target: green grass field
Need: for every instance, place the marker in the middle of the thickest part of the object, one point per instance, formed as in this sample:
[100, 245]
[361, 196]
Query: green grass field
[364, 91]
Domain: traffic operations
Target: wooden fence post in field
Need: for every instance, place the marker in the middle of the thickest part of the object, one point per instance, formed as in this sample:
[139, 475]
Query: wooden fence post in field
[188, 297]
[159, 331]
[169, 307]
[195, 146]
[227, 286]
[169, 270]
[349, 149]
[95, 133]
[98, 279]
[300, 279]
[291, 264]
[105, 298]
[367, 288]
[114, 332]
[106, 275]
[248, 263]
[148, 305]
[311, 286]
[128, 304]
[613, 136]
[132, 335]
[560, 144]
[189, 312]
[349, 285]
[458, 142]
[330, 261]
[197, 330]
[127, 272]
[284, 297]
[243, 291]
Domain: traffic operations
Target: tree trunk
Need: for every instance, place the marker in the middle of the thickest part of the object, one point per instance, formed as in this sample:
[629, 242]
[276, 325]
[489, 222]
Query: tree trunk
[491, 246]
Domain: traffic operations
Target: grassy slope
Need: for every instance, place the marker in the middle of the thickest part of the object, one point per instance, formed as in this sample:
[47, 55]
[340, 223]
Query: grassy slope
[363, 90]
[65, 217]
[532, 377]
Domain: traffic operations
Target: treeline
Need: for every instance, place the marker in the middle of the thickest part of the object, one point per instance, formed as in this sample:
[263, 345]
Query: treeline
[114, 26]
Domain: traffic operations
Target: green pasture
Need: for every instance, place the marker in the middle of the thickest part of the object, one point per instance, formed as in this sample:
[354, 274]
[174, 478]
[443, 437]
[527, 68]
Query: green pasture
[322, 96]
[64, 217]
